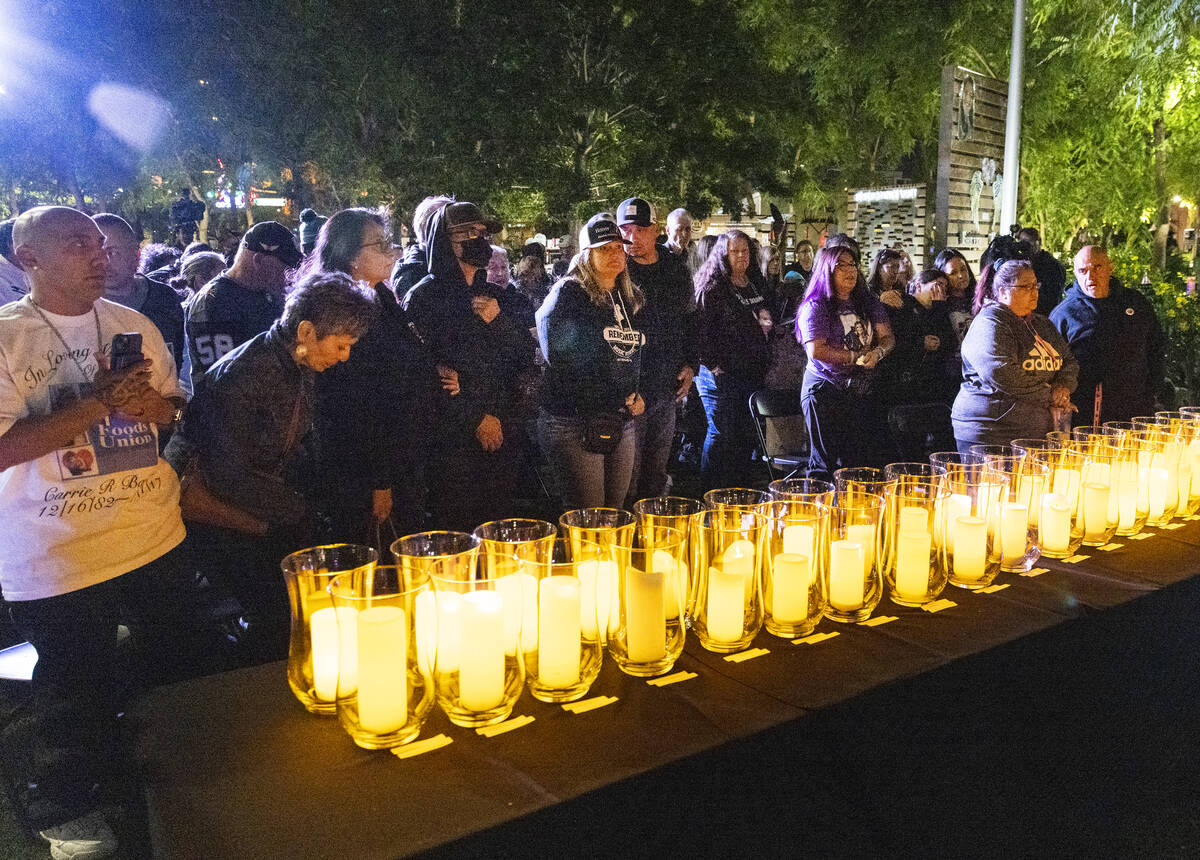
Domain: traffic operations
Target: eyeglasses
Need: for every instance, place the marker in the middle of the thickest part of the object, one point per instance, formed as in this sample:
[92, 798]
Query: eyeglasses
[469, 231]
[1034, 287]
[845, 267]
[383, 245]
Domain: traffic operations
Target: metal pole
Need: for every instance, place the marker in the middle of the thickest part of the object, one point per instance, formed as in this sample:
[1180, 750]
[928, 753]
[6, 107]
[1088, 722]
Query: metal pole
[1012, 126]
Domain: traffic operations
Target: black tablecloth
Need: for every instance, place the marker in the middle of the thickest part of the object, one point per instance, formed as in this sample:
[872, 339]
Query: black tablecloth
[1073, 731]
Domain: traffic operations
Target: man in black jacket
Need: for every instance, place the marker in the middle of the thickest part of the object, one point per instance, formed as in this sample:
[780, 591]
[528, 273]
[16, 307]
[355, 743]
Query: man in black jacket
[1117, 339]
[473, 466]
[1052, 277]
[669, 355]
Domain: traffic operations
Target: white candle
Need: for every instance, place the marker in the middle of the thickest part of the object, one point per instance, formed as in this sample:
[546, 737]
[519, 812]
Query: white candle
[1095, 511]
[912, 563]
[725, 613]
[645, 614]
[449, 631]
[1054, 530]
[481, 665]
[1014, 532]
[1066, 482]
[1127, 492]
[847, 575]
[739, 558]
[791, 579]
[426, 611]
[1158, 492]
[800, 539]
[1029, 493]
[559, 629]
[676, 582]
[970, 548]
[324, 630]
[1194, 457]
[913, 519]
[1171, 462]
[958, 505]
[520, 594]
[382, 669]
[598, 578]
[863, 534]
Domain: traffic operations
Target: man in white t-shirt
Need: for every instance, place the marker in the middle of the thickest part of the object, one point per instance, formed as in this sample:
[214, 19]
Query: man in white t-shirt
[91, 513]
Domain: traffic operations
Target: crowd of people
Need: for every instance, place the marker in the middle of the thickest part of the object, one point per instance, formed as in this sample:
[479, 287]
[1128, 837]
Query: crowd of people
[321, 390]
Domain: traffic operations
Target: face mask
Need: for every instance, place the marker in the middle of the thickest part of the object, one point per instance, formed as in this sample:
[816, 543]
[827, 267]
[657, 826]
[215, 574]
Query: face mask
[476, 251]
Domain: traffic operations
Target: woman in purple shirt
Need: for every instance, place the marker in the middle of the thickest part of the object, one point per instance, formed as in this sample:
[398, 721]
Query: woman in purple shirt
[846, 332]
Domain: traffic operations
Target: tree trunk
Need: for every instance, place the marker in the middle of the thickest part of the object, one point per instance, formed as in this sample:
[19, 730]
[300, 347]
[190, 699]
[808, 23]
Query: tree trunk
[1163, 224]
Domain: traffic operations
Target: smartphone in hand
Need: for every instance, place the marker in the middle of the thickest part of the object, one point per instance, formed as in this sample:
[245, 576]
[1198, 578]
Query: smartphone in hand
[126, 350]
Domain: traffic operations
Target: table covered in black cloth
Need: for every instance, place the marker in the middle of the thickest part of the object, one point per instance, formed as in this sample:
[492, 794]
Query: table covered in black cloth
[1058, 715]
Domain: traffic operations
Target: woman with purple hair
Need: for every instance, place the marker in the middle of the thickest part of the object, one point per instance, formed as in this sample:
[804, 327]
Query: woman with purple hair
[846, 332]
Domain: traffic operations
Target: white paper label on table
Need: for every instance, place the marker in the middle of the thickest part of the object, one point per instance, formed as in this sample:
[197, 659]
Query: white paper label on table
[791, 579]
[1172, 526]
[585, 705]
[1141, 536]
[559, 630]
[674, 678]
[481, 663]
[992, 589]
[645, 615]
[1036, 571]
[879, 620]
[743, 656]
[506, 726]
[417, 748]
[939, 605]
[382, 669]
[847, 575]
[815, 638]
[1109, 547]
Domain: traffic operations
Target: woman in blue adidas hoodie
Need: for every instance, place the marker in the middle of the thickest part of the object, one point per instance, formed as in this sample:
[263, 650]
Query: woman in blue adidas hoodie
[1016, 365]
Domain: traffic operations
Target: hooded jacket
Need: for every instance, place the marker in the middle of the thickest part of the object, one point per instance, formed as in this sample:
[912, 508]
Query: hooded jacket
[593, 352]
[1118, 342]
[409, 269]
[492, 359]
[1009, 366]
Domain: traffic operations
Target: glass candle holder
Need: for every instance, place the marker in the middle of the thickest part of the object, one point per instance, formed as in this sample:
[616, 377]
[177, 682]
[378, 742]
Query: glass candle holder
[314, 642]
[564, 653]
[728, 609]
[648, 635]
[913, 472]
[985, 451]
[912, 565]
[1179, 429]
[1158, 462]
[479, 683]
[794, 546]
[852, 575]
[1062, 437]
[1015, 516]
[1099, 497]
[504, 548]
[679, 513]
[860, 480]
[384, 690]
[424, 555]
[612, 530]
[1133, 504]
[1060, 530]
[741, 498]
[801, 490]
[1192, 414]
[970, 548]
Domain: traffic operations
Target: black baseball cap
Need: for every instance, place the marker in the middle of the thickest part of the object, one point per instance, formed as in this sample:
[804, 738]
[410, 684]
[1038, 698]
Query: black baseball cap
[600, 230]
[271, 237]
[637, 211]
[458, 214]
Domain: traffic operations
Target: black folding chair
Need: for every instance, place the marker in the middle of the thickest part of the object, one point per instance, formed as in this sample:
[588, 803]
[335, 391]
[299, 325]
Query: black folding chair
[791, 452]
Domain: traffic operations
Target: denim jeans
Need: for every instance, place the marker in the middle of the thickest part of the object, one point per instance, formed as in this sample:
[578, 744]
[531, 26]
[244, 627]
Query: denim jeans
[654, 431]
[586, 479]
[730, 439]
[78, 685]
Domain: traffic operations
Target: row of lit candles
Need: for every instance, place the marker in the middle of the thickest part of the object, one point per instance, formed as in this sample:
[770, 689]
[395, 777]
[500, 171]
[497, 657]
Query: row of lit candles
[468, 620]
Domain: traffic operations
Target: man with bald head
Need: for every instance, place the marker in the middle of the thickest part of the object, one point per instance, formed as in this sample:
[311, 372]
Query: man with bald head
[1117, 339]
[124, 285]
[91, 513]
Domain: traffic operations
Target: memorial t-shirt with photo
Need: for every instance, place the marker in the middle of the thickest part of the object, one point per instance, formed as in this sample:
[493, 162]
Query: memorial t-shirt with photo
[106, 503]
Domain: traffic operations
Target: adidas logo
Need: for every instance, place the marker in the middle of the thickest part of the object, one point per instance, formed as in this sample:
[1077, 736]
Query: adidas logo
[1042, 357]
